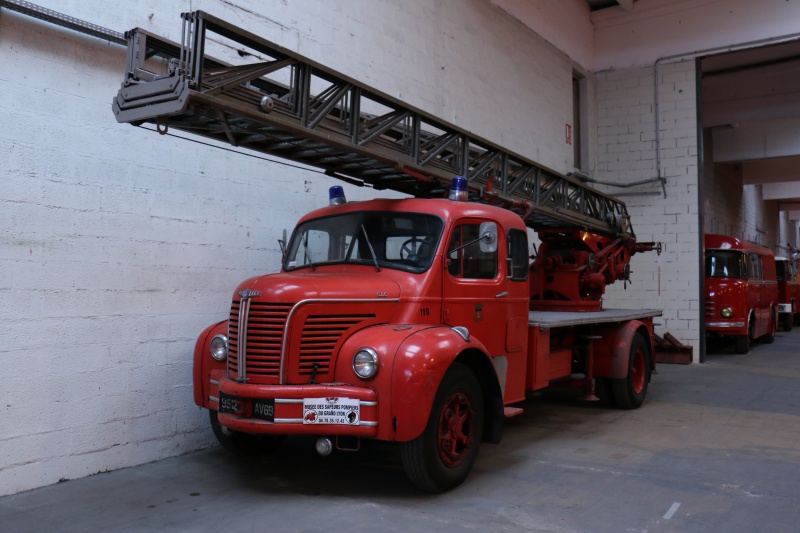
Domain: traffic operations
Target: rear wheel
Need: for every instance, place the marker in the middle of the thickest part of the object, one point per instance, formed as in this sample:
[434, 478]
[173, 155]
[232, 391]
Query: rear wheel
[243, 443]
[787, 322]
[629, 392]
[442, 457]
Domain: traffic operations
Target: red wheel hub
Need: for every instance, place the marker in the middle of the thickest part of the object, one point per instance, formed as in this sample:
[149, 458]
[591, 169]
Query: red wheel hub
[455, 429]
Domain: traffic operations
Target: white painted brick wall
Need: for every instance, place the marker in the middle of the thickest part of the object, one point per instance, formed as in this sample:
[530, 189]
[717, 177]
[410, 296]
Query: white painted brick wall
[626, 154]
[118, 245]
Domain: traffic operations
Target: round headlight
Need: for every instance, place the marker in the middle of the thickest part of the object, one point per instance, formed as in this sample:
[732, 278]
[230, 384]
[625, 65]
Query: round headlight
[365, 363]
[727, 312]
[219, 347]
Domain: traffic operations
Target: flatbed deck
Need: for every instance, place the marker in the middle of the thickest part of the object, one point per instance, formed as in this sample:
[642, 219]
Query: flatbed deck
[558, 319]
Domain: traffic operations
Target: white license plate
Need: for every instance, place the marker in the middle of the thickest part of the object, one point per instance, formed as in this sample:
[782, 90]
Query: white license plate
[331, 410]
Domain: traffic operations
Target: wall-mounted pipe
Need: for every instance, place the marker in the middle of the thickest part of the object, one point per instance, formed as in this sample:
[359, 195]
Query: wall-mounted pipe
[60, 19]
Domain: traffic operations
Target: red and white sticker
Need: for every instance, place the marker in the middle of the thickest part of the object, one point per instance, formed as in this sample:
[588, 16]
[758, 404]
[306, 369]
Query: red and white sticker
[331, 410]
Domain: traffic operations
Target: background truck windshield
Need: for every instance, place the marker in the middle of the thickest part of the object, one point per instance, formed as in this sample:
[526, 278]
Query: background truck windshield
[405, 241]
[724, 264]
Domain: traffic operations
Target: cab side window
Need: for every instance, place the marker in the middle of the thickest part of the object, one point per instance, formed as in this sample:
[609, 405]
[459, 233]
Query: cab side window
[755, 267]
[517, 255]
[465, 259]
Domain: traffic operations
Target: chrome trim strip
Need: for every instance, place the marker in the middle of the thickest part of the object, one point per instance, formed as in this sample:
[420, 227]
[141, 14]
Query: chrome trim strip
[213, 398]
[289, 316]
[300, 421]
[364, 403]
[244, 315]
[214, 381]
[724, 324]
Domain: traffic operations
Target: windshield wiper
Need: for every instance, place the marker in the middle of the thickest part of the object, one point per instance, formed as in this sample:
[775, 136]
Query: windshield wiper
[309, 262]
[371, 250]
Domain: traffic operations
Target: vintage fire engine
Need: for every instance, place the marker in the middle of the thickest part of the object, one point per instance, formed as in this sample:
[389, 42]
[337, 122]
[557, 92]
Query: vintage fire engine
[420, 321]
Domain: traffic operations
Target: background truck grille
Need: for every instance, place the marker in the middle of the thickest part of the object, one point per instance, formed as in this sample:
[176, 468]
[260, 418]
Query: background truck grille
[266, 325]
[710, 308]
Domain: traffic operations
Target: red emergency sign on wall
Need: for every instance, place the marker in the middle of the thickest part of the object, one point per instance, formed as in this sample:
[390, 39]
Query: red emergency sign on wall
[569, 134]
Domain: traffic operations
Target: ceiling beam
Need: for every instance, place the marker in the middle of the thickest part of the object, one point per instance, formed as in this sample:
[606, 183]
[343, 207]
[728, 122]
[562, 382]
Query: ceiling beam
[774, 170]
[781, 191]
[627, 5]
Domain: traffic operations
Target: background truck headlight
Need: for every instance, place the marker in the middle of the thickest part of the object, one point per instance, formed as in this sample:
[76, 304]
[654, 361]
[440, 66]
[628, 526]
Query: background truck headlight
[219, 347]
[365, 363]
[727, 312]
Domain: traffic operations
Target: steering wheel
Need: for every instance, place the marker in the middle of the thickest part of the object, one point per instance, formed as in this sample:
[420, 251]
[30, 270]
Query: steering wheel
[410, 249]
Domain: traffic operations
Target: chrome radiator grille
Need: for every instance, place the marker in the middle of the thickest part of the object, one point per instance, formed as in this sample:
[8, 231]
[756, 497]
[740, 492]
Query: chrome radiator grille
[263, 339]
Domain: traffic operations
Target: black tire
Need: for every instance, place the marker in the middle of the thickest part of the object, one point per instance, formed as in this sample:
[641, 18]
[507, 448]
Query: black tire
[742, 344]
[240, 443]
[442, 457]
[769, 336]
[787, 322]
[629, 392]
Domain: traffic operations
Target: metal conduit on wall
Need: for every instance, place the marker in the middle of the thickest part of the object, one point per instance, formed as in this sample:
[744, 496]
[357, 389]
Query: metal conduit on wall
[60, 19]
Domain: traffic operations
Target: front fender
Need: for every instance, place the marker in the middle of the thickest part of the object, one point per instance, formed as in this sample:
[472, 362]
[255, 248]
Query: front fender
[419, 365]
[204, 363]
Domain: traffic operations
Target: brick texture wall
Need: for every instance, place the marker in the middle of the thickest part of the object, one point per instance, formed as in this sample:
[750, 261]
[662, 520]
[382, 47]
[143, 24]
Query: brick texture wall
[120, 245]
[626, 108]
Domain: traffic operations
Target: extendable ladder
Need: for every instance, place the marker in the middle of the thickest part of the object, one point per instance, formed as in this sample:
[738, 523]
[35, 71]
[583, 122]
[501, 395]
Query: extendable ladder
[266, 98]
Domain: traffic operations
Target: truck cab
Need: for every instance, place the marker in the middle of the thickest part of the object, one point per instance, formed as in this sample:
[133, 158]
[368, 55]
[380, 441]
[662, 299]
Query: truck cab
[376, 305]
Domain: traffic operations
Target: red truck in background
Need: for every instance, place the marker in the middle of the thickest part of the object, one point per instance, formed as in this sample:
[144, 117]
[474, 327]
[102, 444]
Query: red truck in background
[788, 291]
[419, 321]
[741, 291]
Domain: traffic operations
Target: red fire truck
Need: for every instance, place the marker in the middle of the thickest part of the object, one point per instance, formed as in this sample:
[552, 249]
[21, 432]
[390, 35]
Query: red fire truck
[741, 291]
[421, 320]
[788, 291]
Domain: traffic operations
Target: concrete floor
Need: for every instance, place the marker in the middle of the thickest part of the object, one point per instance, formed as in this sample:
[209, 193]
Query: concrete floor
[716, 447]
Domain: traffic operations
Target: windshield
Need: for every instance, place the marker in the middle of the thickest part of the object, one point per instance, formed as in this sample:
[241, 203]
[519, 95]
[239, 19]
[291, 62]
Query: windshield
[405, 241]
[724, 264]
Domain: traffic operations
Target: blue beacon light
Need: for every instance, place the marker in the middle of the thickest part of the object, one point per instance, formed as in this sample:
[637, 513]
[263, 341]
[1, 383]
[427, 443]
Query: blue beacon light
[336, 195]
[458, 189]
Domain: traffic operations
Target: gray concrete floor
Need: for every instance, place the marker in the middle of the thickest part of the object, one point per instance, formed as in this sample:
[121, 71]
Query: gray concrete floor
[716, 447]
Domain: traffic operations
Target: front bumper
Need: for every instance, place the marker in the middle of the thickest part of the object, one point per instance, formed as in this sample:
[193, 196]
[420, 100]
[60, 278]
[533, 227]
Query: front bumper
[290, 408]
[725, 325]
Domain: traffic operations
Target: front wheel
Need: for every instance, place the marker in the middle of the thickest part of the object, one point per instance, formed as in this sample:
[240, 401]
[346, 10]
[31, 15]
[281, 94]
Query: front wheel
[742, 344]
[629, 392]
[441, 458]
[243, 443]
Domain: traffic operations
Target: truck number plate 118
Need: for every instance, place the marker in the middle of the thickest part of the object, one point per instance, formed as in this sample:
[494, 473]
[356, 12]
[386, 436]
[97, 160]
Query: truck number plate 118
[331, 410]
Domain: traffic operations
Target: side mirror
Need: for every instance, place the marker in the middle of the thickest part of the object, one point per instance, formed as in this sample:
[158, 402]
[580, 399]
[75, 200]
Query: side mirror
[488, 237]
